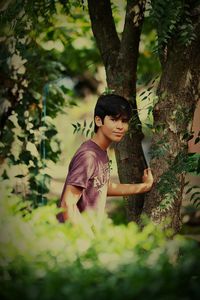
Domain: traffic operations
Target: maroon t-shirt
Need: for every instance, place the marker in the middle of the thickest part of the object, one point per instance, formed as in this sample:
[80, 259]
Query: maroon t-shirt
[89, 169]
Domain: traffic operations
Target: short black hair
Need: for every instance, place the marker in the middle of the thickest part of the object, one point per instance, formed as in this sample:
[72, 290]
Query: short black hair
[112, 105]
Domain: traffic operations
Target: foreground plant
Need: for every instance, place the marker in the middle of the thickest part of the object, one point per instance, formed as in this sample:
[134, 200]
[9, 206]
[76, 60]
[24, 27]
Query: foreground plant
[41, 258]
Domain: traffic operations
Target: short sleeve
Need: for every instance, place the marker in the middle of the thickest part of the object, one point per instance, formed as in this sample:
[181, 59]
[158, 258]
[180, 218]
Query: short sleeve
[81, 169]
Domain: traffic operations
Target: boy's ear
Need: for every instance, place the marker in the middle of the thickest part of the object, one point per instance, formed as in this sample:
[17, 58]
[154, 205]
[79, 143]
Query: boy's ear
[98, 121]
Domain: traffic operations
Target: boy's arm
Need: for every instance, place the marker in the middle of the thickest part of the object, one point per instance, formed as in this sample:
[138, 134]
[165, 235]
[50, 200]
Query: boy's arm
[70, 197]
[120, 189]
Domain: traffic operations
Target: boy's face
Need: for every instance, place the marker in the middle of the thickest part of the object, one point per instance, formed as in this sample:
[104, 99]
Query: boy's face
[113, 128]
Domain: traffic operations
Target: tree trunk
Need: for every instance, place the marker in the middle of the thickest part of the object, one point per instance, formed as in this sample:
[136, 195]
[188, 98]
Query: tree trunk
[120, 61]
[178, 93]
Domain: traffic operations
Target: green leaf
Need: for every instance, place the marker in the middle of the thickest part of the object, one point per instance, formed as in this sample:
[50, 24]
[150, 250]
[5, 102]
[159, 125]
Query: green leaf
[191, 188]
[25, 156]
[142, 93]
[91, 124]
[20, 176]
[196, 200]
[186, 183]
[193, 195]
[87, 132]
[144, 98]
[83, 129]
[50, 133]
[5, 175]
[10, 124]
[150, 88]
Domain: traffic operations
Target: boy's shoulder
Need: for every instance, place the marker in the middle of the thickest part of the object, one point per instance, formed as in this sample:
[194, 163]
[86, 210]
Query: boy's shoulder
[90, 149]
[85, 146]
[89, 145]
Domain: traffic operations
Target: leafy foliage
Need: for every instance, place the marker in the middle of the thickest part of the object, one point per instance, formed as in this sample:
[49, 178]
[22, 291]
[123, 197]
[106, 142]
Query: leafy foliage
[169, 183]
[23, 78]
[194, 191]
[177, 24]
[84, 129]
[41, 258]
[38, 55]
[183, 163]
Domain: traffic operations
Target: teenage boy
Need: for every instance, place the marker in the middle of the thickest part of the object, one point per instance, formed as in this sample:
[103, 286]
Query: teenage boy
[87, 184]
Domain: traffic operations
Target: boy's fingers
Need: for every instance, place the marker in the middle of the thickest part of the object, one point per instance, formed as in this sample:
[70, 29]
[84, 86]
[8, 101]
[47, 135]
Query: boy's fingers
[147, 171]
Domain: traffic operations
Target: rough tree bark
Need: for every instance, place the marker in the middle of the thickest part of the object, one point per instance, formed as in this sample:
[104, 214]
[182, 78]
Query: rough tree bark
[178, 93]
[120, 58]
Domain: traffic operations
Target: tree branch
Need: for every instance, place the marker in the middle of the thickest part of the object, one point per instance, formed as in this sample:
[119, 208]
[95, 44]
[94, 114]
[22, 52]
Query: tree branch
[129, 50]
[132, 26]
[104, 30]
[132, 30]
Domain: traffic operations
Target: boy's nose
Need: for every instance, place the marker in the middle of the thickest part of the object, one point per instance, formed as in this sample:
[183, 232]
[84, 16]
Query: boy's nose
[119, 124]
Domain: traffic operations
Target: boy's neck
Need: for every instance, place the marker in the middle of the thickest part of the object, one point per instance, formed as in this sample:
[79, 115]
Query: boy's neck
[101, 141]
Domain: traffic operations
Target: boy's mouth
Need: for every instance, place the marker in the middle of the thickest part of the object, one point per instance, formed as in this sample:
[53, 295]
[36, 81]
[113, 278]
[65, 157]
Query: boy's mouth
[118, 133]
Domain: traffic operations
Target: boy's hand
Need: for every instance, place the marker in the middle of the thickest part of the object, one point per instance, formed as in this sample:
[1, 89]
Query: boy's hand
[148, 178]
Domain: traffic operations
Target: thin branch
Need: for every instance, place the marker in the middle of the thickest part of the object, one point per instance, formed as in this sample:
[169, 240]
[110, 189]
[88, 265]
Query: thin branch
[104, 30]
[129, 51]
[132, 29]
